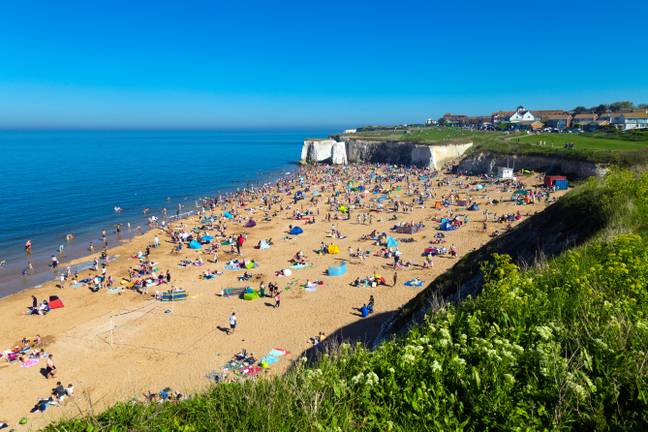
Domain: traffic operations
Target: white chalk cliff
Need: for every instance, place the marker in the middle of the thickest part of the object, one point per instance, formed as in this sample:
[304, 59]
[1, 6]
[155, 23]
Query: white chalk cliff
[396, 152]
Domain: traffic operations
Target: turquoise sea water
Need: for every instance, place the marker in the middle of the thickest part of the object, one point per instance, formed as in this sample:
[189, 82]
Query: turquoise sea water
[58, 182]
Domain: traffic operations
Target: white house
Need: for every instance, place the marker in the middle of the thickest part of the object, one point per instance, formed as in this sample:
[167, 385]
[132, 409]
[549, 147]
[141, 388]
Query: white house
[505, 173]
[522, 115]
[350, 131]
[631, 120]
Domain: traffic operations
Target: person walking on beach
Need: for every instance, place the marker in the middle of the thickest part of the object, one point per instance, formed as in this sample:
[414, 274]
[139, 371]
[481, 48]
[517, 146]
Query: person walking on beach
[55, 262]
[50, 368]
[395, 279]
[277, 299]
[232, 323]
[239, 243]
[28, 247]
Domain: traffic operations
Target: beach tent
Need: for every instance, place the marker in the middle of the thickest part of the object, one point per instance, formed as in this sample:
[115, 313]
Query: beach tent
[250, 264]
[55, 302]
[391, 242]
[473, 207]
[461, 203]
[250, 294]
[333, 249]
[299, 195]
[251, 223]
[207, 238]
[408, 229]
[438, 205]
[193, 244]
[172, 296]
[447, 226]
[228, 215]
[519, 194]
[227, 292]
[295, 231]
[550, 180]
[337, 270]
[479, 186]
[343, 208]
[561, 184]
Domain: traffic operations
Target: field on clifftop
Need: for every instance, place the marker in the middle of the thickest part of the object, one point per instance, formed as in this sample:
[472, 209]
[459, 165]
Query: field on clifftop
[625, 148]
[562, 345]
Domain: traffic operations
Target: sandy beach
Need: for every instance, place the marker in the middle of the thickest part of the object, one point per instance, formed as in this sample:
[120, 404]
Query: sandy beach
[115, 347]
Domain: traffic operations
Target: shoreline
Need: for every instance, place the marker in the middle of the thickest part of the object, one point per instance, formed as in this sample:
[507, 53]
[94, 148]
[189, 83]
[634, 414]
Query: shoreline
[13, 283]
[141, 344]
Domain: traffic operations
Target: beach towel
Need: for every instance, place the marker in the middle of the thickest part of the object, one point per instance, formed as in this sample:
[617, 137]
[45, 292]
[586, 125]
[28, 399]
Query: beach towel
[264, 245]
[193, 244]
[171, 296]
[250, 224]
[278, 352]
[114, 290]
[414, 283]
[76, 285]
[268, 360]
[311, 287]
[250, 371]
[29, 363]
[228, 215]
[298, 266]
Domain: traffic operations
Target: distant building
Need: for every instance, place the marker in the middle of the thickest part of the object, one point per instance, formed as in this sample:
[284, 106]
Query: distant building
[584, 119]
[431, 122]
[478, 122]
[455, 119]
[350, 131]
[501, 116]
[630, 120]
[557, 119]
[522, 115]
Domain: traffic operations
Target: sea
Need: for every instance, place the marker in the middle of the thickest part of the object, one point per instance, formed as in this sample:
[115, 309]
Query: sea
[54, 183]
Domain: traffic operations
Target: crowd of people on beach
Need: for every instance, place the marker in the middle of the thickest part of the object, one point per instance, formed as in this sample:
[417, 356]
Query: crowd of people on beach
[357, 194]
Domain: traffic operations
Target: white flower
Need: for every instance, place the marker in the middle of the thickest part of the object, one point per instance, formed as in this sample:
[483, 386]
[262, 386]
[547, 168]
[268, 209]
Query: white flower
[372, 379]
[436, 367]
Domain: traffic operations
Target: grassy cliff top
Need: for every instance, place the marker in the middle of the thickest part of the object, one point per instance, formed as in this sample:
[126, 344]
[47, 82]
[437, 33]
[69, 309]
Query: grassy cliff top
[625, 148]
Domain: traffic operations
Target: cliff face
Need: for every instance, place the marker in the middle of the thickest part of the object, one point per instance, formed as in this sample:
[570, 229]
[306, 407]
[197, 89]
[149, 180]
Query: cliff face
[393, 152]
[324, 150]
[484, 162]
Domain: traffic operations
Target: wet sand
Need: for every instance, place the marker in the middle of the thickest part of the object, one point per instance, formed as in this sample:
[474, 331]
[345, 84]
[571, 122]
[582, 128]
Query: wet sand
[116, 347]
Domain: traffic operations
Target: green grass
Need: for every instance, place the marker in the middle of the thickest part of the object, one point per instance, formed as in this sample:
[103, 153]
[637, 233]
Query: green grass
[587, 142]
[627, 148]
[563, 346]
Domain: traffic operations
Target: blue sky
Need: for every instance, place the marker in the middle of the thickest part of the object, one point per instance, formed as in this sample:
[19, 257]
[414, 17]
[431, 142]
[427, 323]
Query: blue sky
[310, 63]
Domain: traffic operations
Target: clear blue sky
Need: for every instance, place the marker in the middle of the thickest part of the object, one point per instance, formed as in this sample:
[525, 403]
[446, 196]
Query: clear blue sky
[206, 63]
